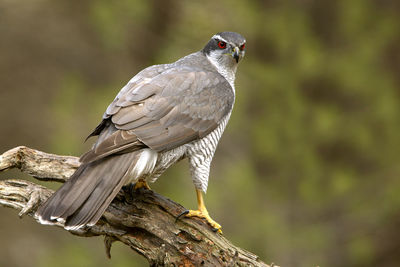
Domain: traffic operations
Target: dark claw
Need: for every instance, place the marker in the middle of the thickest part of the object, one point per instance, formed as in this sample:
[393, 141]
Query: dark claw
[182, 214]
[129, 191]
[131, 187]
[214, 230]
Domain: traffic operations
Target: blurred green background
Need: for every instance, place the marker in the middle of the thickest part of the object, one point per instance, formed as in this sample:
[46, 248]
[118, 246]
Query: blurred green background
[307, 172]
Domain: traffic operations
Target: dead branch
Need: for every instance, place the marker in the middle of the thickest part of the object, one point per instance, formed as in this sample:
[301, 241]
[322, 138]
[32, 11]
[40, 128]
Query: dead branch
[144, 221]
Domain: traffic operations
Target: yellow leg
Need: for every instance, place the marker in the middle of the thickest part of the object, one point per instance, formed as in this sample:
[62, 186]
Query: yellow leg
[140, 184]
[203, 213]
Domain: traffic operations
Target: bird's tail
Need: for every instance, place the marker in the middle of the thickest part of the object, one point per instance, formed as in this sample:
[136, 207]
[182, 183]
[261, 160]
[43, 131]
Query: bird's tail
[83, 199]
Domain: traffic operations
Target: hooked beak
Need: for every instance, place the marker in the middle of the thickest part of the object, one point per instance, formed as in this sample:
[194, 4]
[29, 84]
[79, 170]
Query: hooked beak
[235, 54]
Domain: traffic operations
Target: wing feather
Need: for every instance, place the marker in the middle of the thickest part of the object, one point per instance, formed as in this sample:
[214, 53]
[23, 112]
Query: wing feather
[164, 111]
[190, 105]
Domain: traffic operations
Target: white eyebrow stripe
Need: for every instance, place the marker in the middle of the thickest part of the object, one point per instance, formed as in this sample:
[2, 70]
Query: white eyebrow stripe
[217, 36]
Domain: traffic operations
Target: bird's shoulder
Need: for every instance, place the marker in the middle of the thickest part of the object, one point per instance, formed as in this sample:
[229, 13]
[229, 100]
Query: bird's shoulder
[165, 106]
[191, 78]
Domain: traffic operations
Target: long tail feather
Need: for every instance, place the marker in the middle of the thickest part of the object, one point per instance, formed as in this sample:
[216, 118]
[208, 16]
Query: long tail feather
[85, 196]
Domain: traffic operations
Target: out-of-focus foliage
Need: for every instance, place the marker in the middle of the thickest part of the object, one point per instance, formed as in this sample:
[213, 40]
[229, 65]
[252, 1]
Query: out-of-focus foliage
[307, 172]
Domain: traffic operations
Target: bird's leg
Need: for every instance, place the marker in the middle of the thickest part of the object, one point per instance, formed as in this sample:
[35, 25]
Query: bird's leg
[141, 184]
[131, 188]
[202, 213]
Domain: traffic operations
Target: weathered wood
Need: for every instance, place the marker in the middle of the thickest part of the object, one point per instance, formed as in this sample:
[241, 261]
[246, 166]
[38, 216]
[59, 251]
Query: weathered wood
[41, 165]
[145, 220]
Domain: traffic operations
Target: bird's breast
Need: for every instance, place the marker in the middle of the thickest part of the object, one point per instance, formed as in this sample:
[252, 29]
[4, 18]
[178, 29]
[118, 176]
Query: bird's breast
[205, 147]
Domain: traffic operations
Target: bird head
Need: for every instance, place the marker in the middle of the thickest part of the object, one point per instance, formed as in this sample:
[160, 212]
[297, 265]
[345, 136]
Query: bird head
[226, 49]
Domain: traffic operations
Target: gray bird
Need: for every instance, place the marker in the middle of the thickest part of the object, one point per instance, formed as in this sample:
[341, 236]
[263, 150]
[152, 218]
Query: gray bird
[164, 114]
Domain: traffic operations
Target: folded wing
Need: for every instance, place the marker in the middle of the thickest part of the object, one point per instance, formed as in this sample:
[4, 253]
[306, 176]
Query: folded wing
[173, 108]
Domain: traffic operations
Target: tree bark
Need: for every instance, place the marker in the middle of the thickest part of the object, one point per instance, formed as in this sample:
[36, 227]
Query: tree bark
[144, 221]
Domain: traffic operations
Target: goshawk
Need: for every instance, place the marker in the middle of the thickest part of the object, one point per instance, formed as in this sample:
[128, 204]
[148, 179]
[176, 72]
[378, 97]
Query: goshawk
[164, 114]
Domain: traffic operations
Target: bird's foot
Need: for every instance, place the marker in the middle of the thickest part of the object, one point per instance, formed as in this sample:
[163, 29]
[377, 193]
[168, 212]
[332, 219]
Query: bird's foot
[131, 188]
[203, 214]
[141, 184]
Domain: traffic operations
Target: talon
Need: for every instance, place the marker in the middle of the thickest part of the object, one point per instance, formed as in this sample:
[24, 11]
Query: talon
[141, 184]
[201, 213]
[181, 214]
[128, 193]
[131, 189]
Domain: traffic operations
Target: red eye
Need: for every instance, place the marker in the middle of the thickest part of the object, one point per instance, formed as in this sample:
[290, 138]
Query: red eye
[242, 46]
[221, 44]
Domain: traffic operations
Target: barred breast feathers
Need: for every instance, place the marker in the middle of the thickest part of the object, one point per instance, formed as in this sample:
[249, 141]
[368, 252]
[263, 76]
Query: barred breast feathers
[200, 154]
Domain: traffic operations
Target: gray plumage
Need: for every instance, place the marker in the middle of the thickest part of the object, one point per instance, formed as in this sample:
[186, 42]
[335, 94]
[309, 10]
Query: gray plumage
[165, 113]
